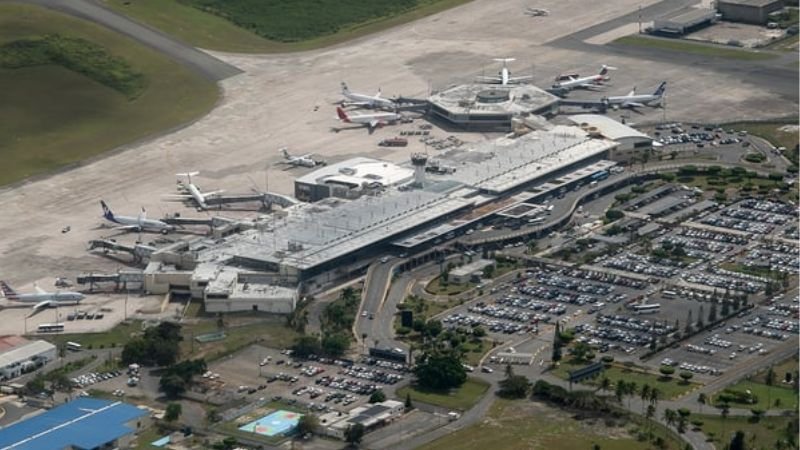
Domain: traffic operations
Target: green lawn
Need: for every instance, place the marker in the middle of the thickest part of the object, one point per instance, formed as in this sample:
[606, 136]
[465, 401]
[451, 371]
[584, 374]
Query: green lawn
[51, 117]
[757, 271]
[771, 131]
[695, 49]
[436, 287]
[522, 424]
[766, 395]
[670, 388]
[274, 333]
[461, 399]
[761, 435]
[117, 336]
[308, 24]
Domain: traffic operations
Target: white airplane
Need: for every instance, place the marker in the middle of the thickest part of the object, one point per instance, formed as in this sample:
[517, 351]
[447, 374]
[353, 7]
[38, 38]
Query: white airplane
[369, 101]
[632, 100]
[370, 120]
[192, 191]
[303, 160]
[535, 12]
[504, 76]
[42, 298]
[139, 223]
[574, 81]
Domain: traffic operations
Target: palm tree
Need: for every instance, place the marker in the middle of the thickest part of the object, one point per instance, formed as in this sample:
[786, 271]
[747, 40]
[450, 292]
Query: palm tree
[644, 394]
[605, 384]
[769, 379]
[620, 390]
[724, 409]
[654, 396]
[630, 390]
[702, 399]
[669, 416]
[651, 411]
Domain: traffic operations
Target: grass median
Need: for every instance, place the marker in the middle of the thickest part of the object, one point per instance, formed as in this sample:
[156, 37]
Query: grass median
[71, 101]
[460, 399]
[678, 45]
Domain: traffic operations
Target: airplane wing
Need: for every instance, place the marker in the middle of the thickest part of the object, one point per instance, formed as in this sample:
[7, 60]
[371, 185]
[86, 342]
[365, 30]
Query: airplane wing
[39, 290]
[212, 193]
[41, 305]
[633, 105]
[491, 80]
[176, 197]
[520, 79]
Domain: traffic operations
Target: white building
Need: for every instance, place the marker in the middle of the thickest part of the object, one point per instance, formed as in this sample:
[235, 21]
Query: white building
[334, 423]
[350, 179]
[467, 272]
[631, 141]
[19, 355]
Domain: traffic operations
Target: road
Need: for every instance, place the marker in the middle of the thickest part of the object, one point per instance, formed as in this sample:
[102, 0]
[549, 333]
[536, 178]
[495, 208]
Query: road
[198, 61]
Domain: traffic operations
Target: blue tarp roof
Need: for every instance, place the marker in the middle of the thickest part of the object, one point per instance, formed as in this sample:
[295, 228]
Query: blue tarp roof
[84, 423]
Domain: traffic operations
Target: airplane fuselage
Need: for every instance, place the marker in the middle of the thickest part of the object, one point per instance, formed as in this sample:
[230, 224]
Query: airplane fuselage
[198, 196]
[61, 298]
[144, 224]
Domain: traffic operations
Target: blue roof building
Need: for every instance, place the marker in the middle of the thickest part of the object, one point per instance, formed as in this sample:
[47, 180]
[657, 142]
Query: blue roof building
[82, 424]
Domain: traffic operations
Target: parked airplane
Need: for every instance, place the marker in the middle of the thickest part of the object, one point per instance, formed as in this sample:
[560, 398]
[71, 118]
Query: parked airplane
[192, 192]
[566, 83]
[303, 160]
[139, 223]
[632, 100]
[504, 76]
[42, 298]
[370, 120]
[369, 101]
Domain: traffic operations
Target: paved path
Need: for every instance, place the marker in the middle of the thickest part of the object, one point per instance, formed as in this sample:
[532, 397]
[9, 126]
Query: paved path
[200, 62]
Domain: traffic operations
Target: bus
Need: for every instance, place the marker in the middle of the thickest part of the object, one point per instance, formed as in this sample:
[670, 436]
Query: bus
[51, 328]
[599, 175]
[647, 309]
[74, 346]
[669, 294]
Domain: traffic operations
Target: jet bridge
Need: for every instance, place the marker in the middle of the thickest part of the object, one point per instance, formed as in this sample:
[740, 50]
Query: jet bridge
[138, 251]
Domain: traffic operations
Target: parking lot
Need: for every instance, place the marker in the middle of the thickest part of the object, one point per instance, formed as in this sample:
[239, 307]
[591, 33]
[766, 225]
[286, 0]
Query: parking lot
[317, 384]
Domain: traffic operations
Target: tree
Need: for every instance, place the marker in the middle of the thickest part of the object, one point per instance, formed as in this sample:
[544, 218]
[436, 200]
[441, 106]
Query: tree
[353, 434]
[769, 380]
[669, 416]
[335, 344]
[726, 308]
[686, 376]
[702, 398]
[172, 385]
[556, 357]
[651, 411]
[644, 393]
[580, 351]
[619, 390]
[408, 405]
[667, 371]
[514, 386]
[614, 214]
[35, 385]
[305, 346]
[440, 371]
[689, 322]
[377, 397]
[605, 383]
[737, 443]
[757, 414]
[700, 319]
[433, 328]
[173, 412]
[308, 423]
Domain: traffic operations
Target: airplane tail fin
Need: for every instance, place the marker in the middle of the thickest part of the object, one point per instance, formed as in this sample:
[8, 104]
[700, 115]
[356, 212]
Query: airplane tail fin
[342, 115]
[345, 90]
[284, 152]
[106, 211]
[661, 89]
[7, 291]
[188, 175]
[604, 70]
[142, 215]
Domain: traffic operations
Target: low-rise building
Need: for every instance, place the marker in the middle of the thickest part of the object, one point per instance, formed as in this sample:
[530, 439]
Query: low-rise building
[469, 272]
[335, 424]
[19, 355]
[631, 141]
[684, 21]
[85, 423]
[748, 11]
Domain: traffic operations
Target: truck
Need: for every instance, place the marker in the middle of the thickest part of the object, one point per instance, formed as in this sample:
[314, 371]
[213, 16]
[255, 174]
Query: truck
[394, 142]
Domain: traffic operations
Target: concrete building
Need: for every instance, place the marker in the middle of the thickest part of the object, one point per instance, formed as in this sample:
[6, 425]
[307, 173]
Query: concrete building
[469, 272]
[748, 11]
[19, 355]
[350, 179]
[82, 424]
[484, 107]
[631, 142]
[684, 21]
[372, 416]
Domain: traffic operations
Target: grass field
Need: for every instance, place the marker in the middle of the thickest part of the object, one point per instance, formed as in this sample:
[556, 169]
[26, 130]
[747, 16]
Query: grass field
[274, 332]
[53, 116]
[436, 287]
[767, 396]
[117, 336]
[695, 49]
[670, 388]
[521, 424]
[761, 435]
[202, 28]
[461, 399]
